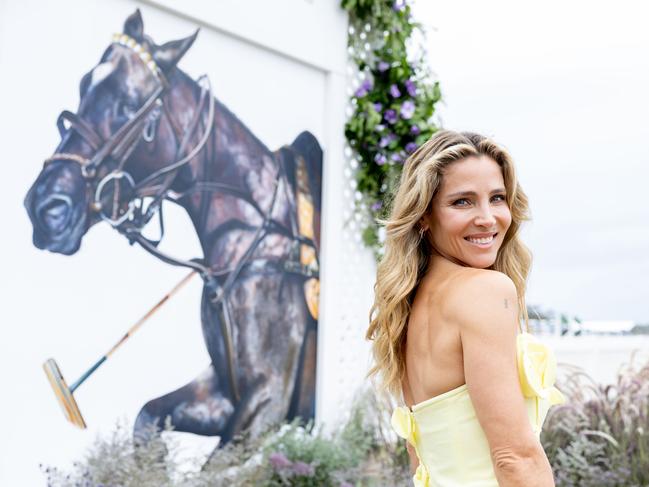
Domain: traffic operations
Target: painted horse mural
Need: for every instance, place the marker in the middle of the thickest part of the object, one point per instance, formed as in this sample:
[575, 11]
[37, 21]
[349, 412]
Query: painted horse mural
[145, 133]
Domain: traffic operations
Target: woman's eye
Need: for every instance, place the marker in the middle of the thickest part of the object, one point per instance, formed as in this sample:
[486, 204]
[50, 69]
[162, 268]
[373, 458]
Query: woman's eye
[455, 203]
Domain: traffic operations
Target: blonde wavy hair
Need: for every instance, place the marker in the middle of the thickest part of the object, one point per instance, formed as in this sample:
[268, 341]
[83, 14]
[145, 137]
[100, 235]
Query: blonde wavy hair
[406, 254]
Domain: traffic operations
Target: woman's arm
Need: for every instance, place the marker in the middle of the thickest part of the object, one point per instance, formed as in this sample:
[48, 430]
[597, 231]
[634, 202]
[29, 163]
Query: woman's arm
[512, 471]
[414, 461]
[485, 308]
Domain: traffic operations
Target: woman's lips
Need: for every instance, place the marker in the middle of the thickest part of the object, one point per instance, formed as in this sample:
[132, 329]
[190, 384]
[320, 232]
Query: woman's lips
[483, 245]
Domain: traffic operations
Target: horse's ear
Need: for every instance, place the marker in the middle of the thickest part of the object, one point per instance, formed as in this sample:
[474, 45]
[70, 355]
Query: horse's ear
[168, 54]
[134, 27]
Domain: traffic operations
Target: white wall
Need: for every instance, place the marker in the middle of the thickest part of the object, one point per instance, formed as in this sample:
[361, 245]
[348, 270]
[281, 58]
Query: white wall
[280, 67]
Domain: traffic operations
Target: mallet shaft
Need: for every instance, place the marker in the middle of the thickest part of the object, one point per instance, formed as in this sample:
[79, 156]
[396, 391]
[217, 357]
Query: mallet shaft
[131, 331]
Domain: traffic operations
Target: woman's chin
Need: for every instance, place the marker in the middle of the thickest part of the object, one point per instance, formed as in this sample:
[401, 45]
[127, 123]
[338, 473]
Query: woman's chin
[480, 261]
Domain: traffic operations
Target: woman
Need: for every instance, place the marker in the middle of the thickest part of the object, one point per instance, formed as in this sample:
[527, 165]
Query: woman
[449, 297]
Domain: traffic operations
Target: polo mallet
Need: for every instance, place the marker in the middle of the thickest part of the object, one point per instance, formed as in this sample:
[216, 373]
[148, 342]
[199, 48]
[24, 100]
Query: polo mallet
[64, 394]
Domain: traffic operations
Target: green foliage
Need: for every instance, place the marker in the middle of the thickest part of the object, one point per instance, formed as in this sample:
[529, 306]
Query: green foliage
[309, 459]
[393, 106]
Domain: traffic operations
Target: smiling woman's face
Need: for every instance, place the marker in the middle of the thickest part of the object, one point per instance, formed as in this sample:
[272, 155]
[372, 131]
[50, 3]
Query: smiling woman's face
[467, 211]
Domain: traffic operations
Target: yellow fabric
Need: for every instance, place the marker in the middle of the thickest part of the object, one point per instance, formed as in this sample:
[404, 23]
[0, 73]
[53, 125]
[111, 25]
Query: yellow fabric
[446, 435]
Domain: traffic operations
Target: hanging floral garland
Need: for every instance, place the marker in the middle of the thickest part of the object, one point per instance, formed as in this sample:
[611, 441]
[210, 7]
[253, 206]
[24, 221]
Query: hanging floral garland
[391, 107]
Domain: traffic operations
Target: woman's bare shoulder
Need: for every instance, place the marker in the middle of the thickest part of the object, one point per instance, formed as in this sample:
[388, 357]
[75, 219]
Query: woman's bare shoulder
[472, 292]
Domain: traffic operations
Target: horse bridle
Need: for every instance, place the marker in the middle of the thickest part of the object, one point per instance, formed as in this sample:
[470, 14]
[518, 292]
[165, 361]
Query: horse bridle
[120, 145]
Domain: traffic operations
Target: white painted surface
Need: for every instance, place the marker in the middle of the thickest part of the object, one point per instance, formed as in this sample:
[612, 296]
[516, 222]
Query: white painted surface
[308, 31]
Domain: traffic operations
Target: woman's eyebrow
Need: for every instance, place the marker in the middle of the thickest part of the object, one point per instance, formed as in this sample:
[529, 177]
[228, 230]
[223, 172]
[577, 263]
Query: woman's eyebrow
[473, 193]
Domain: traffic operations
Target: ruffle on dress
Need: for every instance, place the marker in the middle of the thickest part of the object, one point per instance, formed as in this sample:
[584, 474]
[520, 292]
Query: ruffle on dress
[403, 422]
[537, 373]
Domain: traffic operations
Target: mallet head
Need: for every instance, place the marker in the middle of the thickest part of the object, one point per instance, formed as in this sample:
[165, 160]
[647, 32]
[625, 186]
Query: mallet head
[63, 393]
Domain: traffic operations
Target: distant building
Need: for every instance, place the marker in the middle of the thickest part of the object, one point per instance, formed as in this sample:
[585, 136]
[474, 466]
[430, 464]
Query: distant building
[547, 322]
[607, 327]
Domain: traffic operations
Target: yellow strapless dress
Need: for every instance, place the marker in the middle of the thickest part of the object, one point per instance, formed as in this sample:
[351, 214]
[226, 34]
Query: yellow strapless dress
[450, 443]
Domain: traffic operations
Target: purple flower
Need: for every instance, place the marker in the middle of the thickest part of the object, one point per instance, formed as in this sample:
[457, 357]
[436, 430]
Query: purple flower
[378, 107]
[380, 159]
[394, 91]
[399, 5]
[362, 90]
[415, 130]
[304, 469]
[390, 116]
[383, 66]
[411, 147]
[379, 127]
[407, 109]
[396, 157]
[376, 206]
[279, 461]
[411, 88]
[386, 139]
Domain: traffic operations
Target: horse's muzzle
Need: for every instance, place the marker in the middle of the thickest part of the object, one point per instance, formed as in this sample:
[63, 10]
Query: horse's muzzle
[53, 214]
[58, 226]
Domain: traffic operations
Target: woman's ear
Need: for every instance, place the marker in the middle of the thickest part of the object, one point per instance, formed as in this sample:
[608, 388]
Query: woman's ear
[422, 225]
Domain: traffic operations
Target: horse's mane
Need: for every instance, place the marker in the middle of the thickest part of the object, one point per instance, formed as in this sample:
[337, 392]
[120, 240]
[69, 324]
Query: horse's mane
[233, 120]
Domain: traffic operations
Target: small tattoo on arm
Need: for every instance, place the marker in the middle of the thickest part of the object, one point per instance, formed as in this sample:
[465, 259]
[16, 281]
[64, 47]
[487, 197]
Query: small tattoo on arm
[506, 304]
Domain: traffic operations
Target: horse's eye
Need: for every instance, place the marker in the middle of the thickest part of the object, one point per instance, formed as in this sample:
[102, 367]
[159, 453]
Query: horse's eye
[128, 110]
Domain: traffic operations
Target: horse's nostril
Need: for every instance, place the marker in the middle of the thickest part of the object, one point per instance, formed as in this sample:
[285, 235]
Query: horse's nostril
[54, 213]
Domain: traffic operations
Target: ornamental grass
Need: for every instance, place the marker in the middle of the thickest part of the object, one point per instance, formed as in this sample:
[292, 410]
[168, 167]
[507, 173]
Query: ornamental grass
[599, 437]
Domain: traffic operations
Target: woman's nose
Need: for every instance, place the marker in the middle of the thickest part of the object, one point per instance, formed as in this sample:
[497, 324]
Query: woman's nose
[485, 216]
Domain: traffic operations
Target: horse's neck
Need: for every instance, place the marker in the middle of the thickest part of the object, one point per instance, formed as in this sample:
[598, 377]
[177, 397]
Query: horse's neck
[236, 150]
[233, 155]
[240, 158]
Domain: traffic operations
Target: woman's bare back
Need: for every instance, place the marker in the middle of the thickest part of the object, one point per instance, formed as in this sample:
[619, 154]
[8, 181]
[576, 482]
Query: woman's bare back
[433, 354]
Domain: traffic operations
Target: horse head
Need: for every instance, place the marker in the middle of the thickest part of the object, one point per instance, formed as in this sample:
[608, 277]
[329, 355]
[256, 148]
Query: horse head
[125, 129]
